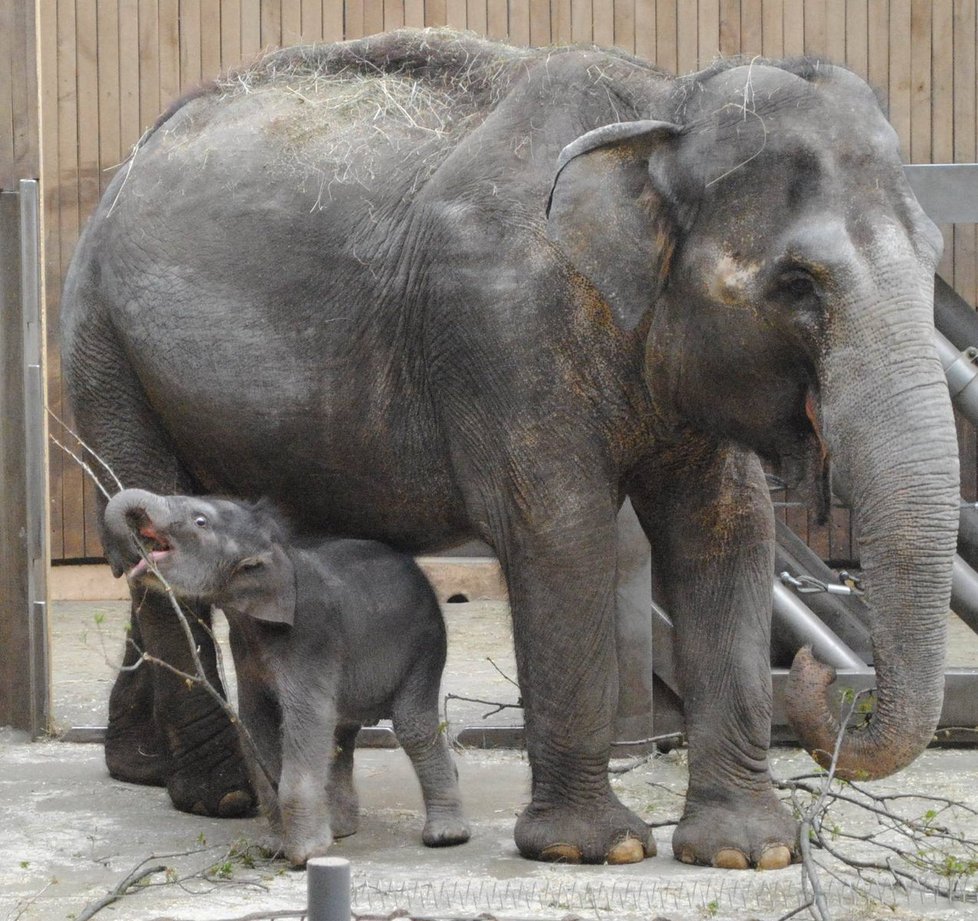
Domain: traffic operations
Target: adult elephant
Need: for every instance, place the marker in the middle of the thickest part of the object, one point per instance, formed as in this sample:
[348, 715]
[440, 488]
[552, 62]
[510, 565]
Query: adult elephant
[422, 287]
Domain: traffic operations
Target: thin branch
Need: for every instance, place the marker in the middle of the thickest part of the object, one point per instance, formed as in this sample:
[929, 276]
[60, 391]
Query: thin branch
[86, 447]
[121, 890]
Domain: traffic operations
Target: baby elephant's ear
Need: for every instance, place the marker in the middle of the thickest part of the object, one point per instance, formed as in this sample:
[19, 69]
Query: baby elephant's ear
[263, 587]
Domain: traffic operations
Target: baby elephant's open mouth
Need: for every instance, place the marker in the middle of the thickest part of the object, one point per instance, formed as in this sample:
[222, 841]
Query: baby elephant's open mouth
[154, 548]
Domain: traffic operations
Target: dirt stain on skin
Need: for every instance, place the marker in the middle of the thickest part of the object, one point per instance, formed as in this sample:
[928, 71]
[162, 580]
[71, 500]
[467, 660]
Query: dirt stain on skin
[733, 282]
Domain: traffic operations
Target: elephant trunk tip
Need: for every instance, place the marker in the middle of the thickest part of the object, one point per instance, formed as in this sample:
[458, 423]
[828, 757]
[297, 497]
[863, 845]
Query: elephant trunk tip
[853, 754]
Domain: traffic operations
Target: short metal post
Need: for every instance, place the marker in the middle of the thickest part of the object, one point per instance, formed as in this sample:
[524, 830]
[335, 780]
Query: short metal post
[328, 881]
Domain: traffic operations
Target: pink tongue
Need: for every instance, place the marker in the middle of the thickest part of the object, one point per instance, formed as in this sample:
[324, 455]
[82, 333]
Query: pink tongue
[141, 566]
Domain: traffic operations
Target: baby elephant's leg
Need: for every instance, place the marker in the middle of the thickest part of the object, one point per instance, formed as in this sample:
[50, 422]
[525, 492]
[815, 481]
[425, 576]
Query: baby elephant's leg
[417, 728]
[344, 804]
[308, 724]
[258, 712]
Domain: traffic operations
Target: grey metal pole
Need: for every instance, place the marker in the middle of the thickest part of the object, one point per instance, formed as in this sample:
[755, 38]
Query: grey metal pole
[35, 426]
[959, 366]
[328, 881]
[796, 621]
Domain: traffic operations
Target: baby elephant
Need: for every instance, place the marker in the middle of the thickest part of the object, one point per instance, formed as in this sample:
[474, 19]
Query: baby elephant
[325, 636]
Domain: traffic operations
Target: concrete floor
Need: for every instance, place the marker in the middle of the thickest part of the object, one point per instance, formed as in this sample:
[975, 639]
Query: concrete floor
[71, 834]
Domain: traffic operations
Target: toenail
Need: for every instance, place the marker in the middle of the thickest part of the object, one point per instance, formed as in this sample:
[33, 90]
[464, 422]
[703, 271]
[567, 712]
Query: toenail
[628, 851]
[775, 857]
[234, 804]
[561, 853]
[730, 858]
[199, 808]
[687, 855]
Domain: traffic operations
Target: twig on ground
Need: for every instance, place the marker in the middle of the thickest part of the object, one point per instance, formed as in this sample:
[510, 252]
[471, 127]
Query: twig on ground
[132, 879]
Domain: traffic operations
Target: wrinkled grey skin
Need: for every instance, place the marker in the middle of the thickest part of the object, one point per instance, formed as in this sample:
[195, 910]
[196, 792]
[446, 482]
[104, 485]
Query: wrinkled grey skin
[491, 299]
[325, 637]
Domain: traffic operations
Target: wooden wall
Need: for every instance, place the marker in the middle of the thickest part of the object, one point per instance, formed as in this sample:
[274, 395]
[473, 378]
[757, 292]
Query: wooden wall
[109, 66]
[18, 94]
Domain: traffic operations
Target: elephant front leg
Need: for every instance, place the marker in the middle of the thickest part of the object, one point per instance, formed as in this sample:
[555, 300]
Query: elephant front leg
[561, 580]
[154, 712]
[712, 533]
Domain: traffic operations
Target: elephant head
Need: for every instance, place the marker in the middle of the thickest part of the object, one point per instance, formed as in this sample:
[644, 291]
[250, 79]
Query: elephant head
[764, 243]
[219, 551]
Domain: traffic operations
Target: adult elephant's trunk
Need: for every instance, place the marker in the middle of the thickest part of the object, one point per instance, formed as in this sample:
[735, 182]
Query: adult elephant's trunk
[894, 437]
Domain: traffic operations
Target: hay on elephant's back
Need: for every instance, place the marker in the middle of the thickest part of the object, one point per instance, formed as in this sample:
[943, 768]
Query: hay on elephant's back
[427, 79]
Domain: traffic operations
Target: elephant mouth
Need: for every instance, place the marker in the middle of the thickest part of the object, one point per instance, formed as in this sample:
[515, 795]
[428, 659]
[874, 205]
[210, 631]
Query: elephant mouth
[154, 548]
[805, 460]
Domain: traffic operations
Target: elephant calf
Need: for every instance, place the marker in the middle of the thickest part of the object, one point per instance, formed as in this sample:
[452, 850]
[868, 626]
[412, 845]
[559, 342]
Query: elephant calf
[325, 636]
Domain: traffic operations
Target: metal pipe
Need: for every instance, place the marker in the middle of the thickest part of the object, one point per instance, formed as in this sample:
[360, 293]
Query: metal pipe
[795, 623]
[959, 366]
[964, 592]
[328, 889]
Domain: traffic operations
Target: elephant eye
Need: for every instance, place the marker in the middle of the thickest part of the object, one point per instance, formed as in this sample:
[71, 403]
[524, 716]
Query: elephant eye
[797, 285]
[200, 521]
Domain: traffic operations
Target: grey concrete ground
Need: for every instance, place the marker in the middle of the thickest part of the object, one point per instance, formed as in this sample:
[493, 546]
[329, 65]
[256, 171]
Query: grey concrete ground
[70, 834]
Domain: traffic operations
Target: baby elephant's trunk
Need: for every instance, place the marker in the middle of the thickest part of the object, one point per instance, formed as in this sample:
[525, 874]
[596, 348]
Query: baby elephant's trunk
[129, 512]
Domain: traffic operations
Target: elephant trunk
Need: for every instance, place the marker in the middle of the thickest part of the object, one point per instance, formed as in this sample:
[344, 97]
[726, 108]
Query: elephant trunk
[124, 510]
[896, 442]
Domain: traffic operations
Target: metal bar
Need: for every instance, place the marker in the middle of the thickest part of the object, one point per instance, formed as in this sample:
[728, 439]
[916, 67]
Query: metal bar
[961, 372]
[35, 432]
[328, 887]
[964, 592]
[948, 192]
[794, 620]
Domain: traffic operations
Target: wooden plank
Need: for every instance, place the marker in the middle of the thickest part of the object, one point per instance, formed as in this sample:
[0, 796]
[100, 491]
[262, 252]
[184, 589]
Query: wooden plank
[8, 171]
[189, 44]
[14, 603]
[752, 27]
[312, 21]
[497, 18]
[230, 17]
[271, 24]
[899, 90]
[394, 13]
[540, 30]
[813, 28]
[730, 27]
[708, 32]
[291, 22]
[835, 31]
[250, 13]
[920, 81]
[333, 17]
[561, 21]
[793, 25]
[687, 36]
[24, 93]
[582, 19]
[82, 506]
[965, 140]
[129, 118]
[878, 48]
[210, 39]
[149, 63]
[435, 13]
[772, 12]
[942, 108]
[110, 142]
[455, 12]
[69, 515]
[857, 37]
[373, 16]
[667, 35]
[169, 51]
[477, 16]
[645, 29]
[604, 22]
[519, 22]
[353, 19]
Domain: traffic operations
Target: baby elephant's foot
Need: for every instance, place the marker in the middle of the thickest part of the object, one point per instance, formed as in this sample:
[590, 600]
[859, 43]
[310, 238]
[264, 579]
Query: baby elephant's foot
[445, 830]
[754, 832]
[299, 850]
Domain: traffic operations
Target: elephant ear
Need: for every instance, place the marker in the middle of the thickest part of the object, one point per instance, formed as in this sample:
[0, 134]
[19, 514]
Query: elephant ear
[263, 587]
[612, 214]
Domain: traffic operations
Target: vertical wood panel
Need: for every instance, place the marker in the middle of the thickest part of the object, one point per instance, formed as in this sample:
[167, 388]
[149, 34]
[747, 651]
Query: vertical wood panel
[108, 68]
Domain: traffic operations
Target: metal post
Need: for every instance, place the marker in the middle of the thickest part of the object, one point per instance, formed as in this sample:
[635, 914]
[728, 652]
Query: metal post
[328, 882]
[35, 431]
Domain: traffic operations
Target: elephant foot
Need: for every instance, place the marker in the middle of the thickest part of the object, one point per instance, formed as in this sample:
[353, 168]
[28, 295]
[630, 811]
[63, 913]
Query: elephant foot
[605, 832]
[135, 750]
[210, 777]
[753, 832]
[299, 852]
[445, 830]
